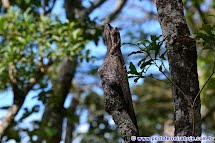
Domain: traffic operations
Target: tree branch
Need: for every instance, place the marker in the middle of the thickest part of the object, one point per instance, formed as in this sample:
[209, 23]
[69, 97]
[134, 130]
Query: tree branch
[72, 109]
[18, 101]
[185, 96]
[8, 119]
[197, 6]
[93, 6]
[182, 57]
[50, 8]
[213, 71]
[120, 5]
[42, 70]
[19, 95]
[5, 3]
[53, 115]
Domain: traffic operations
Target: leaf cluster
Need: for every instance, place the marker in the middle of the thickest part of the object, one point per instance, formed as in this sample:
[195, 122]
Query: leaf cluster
[151, 52]
[206, 36]
[28, 43]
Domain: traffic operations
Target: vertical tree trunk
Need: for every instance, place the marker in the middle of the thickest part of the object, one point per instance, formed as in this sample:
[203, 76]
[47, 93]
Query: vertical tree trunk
[72, 7]
[53, 115]
[74, 12]
[182, 56]
[54, 110]
[70, 120]
[118, 102]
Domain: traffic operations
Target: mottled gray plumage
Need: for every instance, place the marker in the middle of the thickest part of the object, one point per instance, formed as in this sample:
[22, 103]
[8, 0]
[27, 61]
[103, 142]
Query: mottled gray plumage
[118, 101]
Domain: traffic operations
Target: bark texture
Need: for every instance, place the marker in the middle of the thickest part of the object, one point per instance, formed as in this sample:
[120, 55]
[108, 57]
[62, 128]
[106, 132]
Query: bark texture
[118, 102]
[19, 94]
[9, 118]
[72, 109]
[53, 116]
[182, 56]
[54, 110]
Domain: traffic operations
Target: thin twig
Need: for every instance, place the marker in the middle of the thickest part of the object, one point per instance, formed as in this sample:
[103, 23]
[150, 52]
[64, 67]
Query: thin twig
[50, 9]
[157, 79]
[164, 66]
[93, 6]
[185, 96]
[213, 71]
[118, 8]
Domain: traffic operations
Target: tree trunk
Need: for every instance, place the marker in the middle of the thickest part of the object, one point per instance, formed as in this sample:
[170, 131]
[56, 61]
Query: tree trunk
[19, 95]
[53, 114]
[182, 56]
[118, 102]
[74, 11]
[11, 113]
[54, 110]
[70, 120]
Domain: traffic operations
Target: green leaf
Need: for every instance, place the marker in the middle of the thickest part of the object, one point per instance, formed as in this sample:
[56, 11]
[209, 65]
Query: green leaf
[206, 37]
[162, 56]
[136, 80]
[77, 33]
[147, 63]
[136, 52]
[154, 38]
[161, 68]
[141, 61]
[133, 69]
[87, 55]
[142, 42]
[50, 131]
[151, 75]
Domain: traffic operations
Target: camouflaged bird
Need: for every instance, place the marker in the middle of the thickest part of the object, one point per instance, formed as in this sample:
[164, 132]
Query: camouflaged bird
[113, 74]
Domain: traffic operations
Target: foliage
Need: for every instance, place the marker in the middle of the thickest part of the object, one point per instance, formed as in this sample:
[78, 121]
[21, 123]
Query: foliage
[152, 55]
[27, 42]
[24, 4]
[201, 23]
[206, 62]
[32, 43]
[100, 129]
[154, 98]
[151, 51]
[151, 92]
[206, 36]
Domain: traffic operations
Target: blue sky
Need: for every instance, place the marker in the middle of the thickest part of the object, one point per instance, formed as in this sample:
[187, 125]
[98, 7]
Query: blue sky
[6, 97]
